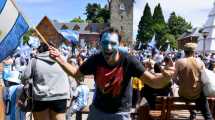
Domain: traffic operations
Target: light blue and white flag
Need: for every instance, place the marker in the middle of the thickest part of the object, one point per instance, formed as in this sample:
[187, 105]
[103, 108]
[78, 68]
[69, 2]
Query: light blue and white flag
[152, 43]
[71, 35]
[12, 27]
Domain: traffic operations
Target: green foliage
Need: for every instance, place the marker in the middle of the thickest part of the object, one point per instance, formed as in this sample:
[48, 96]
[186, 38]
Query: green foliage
[164, 32]
[178, 25]
[104, 14]
[167, 39]
[27, 35]
[158, 15]
[77, 20]
[159, 26]
[96, 14]
[145, 31]
[92, 10]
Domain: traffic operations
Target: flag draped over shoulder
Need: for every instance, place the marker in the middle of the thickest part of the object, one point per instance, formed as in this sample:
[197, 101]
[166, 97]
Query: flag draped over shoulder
[12, 27]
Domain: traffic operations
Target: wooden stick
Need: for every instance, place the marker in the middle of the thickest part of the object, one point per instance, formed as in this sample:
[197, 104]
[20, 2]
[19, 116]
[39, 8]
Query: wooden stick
[41, 36]
[21, 13]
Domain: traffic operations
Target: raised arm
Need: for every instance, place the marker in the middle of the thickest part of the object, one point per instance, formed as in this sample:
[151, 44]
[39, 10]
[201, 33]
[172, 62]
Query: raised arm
[151, 77]
[69, 68]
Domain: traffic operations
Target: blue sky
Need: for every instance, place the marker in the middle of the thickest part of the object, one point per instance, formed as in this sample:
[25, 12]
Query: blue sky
[62, 10]
[194, 11]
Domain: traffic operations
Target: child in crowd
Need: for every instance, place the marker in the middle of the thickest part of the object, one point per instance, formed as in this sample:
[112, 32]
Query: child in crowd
[79, 101]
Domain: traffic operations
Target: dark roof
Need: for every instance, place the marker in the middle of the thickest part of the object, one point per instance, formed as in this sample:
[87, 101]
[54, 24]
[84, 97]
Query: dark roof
[81, 27]
[190, 33]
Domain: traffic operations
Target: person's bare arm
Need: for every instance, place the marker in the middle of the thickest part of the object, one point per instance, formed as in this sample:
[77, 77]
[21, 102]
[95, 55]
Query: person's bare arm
[69, 68]
[152, 77]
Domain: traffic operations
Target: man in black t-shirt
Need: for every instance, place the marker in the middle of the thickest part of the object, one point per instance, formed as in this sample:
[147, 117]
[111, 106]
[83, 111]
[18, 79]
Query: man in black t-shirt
[112, 72]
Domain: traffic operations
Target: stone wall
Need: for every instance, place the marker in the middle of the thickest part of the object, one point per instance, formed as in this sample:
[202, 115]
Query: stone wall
[122, 17]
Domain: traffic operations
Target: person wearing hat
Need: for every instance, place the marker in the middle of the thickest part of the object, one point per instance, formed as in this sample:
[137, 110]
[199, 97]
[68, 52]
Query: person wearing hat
[187, 76]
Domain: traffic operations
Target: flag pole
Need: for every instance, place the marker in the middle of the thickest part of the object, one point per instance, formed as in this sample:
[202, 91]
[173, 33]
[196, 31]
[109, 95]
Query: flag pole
[21, 13]
[41, 36]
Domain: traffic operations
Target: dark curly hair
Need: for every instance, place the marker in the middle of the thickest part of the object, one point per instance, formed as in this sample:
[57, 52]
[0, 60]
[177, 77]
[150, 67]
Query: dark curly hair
[44, 47]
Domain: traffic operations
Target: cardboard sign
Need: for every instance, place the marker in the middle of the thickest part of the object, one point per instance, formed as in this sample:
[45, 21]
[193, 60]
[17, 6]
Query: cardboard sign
[49, 32]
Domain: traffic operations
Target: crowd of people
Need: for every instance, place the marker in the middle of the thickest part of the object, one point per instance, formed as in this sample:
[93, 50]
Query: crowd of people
[123, 77]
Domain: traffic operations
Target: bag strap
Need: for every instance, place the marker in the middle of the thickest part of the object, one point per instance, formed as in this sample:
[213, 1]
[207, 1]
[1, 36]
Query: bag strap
[33, 67]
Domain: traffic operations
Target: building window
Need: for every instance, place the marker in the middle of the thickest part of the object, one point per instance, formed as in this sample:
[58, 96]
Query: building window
[121, 17]
[122, 7]
[121, 28]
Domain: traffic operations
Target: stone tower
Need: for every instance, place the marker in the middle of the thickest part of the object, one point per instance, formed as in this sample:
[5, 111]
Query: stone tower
[122, 18]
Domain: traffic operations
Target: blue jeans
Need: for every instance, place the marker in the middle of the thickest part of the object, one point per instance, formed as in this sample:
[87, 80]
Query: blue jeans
[96, 114]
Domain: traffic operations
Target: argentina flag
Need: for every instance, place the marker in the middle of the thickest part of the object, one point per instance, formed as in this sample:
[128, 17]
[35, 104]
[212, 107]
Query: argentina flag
[70, 35]
[12, 27]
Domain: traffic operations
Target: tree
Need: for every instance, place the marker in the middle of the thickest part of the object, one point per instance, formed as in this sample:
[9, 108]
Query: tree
[104, 13]
[167, 39]
[96, 14]
[27, 35]
[145, 31]
[158, 15]
[92, 10]
[178, 25]
[77, 20]
[159, 26]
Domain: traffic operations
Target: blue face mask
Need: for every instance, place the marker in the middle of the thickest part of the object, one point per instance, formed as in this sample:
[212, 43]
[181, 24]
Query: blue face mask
[110, 44]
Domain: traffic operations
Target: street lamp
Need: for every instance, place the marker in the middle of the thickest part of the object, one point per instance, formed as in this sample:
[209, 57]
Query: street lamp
[205, 35]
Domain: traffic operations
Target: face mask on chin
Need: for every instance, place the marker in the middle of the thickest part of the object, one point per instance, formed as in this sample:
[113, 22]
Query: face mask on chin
[109, 46]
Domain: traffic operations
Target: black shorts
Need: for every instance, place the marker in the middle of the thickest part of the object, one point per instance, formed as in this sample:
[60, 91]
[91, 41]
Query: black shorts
[58, 106]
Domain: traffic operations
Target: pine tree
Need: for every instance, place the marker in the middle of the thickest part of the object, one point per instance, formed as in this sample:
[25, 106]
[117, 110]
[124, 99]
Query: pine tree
[159, 26]
[158, 15]
[145, 31]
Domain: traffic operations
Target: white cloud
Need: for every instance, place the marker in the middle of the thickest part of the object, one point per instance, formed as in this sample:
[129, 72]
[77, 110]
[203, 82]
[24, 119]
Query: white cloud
[194, 11]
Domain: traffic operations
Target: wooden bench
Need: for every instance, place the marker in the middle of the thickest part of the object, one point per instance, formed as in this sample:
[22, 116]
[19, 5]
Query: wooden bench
[145, 113]
[178, 103]
[164, 106]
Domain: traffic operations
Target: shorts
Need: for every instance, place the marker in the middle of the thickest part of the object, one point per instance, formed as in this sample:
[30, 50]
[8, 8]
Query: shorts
[58, 106]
